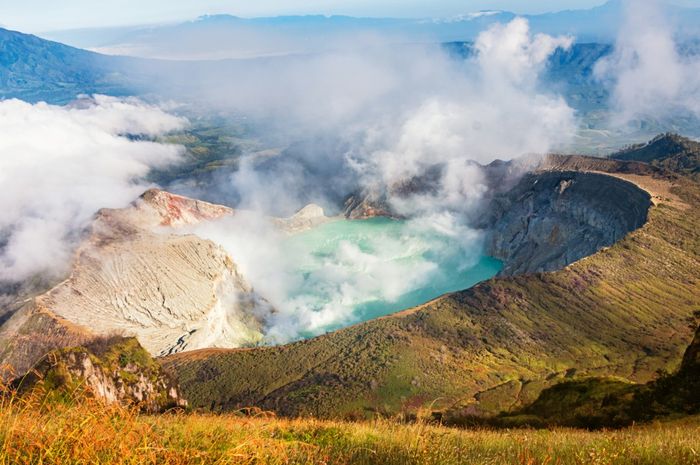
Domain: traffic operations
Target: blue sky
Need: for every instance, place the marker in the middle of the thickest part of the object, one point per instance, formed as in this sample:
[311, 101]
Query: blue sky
[46, 15]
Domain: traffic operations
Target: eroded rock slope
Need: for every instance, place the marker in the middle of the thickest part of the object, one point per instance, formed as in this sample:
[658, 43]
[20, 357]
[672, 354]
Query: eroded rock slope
[139, 274]
[114, 370]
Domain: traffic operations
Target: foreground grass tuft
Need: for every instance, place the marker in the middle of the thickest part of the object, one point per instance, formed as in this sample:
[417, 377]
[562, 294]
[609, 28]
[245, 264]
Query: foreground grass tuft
[84, 431]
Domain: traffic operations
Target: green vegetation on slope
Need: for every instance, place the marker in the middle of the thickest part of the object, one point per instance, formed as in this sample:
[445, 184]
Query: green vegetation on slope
[79, 429]
[606, 402]
[622, 312]
[115, 370]
[211, 147]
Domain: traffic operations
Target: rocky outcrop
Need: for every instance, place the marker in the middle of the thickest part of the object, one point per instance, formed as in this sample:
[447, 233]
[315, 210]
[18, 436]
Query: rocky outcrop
[552, 219]
[139, 273]
[308, 217]
[379, 200]
[367, 204]
[116, 371]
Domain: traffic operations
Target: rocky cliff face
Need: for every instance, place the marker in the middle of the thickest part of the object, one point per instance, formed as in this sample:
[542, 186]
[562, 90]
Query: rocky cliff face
[138, 274]
[544, 220]
[552, 219]
[116, 371]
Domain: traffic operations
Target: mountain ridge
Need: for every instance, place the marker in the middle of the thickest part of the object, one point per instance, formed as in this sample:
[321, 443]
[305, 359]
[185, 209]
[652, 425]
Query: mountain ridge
[669, 151]
[33, 69]
[596, 24]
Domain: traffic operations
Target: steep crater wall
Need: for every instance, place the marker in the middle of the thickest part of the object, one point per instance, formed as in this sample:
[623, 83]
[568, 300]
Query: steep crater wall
[552, 219]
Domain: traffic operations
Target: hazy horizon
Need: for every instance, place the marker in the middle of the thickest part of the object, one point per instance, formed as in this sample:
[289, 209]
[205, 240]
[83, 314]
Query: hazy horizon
[82, 14]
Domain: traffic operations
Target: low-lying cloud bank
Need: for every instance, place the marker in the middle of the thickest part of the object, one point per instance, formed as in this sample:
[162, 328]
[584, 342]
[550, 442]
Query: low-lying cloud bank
[650, 78]
[59, 165]
[386, 114]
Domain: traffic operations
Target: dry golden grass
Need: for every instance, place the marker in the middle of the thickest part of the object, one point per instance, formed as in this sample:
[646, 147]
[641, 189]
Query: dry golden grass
[84, 431]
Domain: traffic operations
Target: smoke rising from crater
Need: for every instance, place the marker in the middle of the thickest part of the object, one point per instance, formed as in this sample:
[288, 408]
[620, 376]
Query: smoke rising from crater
[59, 165]
[369, 120]
[348, 121]
[497, 110]
[382, 114]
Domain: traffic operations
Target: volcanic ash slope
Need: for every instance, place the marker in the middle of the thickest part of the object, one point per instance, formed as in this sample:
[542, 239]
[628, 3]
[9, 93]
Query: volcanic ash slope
[140, 274]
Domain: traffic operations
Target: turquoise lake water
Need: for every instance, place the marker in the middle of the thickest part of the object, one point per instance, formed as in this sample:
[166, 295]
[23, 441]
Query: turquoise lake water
[353, 271]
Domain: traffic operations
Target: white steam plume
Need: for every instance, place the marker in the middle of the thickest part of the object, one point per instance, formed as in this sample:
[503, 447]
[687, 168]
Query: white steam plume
[395, 111]
[317, 280]
[59, 165]
[650, 78]
[496, 111]
[419, 110]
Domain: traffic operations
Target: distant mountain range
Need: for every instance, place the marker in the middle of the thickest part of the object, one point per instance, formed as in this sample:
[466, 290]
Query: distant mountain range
[35, 69]
[225, 36]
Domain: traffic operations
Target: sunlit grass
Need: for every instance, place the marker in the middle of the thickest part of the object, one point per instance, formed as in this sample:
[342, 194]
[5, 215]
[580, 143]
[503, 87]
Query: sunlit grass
[84, 431]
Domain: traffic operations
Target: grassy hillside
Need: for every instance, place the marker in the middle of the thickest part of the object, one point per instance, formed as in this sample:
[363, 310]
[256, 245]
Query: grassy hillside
[84, 432]
[605, 402]
[623, 312]
[61, 426]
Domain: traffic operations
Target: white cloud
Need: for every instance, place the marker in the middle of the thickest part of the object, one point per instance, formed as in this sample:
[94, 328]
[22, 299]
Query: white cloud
[59, 165]
[392, 112]
[396, 114]
[649, 78]
[497, 110]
